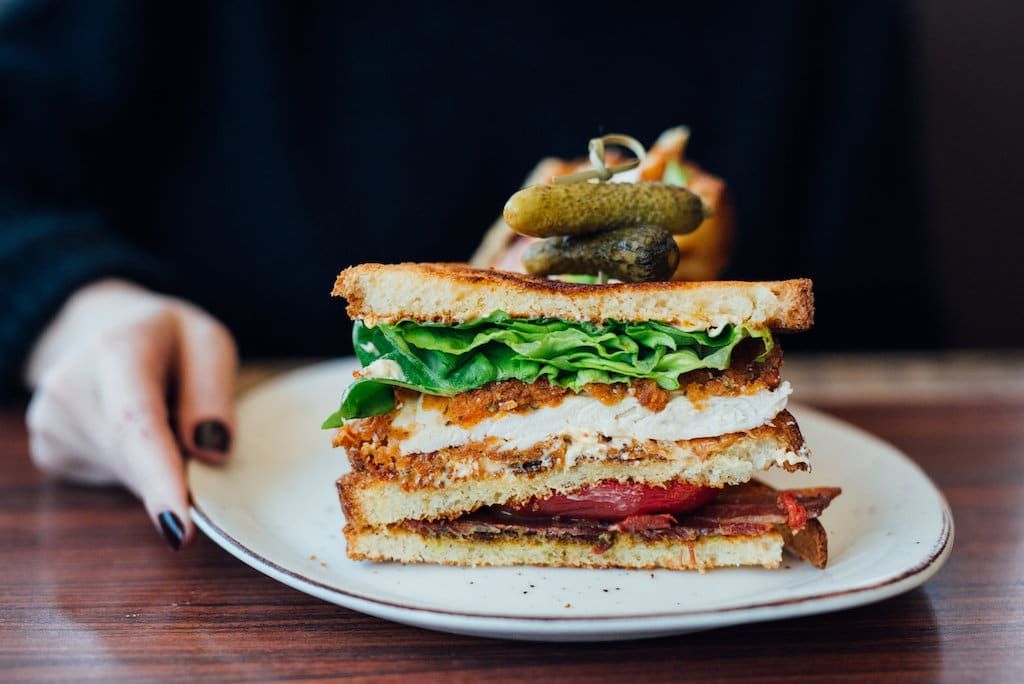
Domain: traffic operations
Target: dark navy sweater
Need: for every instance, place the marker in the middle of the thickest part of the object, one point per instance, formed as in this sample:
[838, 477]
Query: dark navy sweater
[239, 154]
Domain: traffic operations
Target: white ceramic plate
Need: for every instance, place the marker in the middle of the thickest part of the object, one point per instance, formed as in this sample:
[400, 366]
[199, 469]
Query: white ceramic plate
[275, 508]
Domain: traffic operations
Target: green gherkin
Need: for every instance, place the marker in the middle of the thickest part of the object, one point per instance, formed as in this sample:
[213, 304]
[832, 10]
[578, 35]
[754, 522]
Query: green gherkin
[633, 255]
[582, 208]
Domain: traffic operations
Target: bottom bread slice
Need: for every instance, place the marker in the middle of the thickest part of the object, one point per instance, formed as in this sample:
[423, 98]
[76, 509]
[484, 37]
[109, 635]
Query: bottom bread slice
[399, 544]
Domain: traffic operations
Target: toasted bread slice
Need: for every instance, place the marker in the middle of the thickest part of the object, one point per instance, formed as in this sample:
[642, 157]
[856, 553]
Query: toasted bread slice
[627, 551]
[457, 293]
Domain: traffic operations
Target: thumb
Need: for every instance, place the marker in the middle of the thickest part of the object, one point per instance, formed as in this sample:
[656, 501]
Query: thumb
[207, 363]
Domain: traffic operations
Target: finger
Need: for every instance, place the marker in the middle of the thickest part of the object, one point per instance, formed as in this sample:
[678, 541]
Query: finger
[132, 374]
[207, 363]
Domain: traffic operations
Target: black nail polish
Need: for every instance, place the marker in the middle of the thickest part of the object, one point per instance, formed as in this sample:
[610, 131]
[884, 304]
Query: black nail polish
[173, 530]
[212, 435]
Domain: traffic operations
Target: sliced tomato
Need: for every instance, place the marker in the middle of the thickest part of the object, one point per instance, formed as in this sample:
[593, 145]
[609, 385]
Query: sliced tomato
[612, 500]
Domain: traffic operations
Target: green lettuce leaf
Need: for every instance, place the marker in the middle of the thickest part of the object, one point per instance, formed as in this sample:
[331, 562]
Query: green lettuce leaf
[446, 360]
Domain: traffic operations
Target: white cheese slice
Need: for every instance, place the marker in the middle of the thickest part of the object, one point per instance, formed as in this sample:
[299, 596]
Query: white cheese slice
[584, 418]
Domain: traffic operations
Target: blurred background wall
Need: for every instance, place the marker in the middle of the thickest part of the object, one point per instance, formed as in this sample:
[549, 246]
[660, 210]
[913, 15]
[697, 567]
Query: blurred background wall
[970, 74]
[109, 129]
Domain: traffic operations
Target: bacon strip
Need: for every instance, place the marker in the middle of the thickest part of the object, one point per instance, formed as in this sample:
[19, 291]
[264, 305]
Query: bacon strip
[641, 523]
[757, 503]
[793, 507]
[741, 510]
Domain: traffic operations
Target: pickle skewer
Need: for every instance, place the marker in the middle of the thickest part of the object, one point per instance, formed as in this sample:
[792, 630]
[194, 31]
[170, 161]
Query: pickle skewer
[633, 254]
[583, 208]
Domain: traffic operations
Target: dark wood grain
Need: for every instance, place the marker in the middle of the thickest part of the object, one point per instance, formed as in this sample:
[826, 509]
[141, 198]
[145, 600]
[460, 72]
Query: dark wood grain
[88, 592]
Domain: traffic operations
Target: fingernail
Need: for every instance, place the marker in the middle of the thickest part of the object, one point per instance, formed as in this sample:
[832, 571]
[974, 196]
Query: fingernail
[212, 435]
[172, 529]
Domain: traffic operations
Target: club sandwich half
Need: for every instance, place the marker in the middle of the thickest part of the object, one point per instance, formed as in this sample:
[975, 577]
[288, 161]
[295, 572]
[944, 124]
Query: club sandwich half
[502, 419]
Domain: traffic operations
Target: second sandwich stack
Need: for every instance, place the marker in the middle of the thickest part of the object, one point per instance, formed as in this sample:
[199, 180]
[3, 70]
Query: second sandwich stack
[501, 419]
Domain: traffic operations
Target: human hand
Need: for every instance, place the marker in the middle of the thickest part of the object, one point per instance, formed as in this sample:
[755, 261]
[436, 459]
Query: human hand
[107, 376]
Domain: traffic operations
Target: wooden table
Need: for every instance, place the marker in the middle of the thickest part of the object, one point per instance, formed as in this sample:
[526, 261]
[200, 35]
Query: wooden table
[88, 591]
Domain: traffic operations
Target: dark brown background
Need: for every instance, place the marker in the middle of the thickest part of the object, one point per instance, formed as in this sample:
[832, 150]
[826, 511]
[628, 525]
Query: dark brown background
[970, 69]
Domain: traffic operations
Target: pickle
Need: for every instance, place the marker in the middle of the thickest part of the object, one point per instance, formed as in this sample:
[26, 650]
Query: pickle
[632, 255]
[582, 208]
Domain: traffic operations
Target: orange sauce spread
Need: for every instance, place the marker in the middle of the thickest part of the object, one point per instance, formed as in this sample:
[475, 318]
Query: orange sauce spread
[607, 394]
[650, 396]
[475, 460]
[511, 396]
[354, 433]
[744, 376]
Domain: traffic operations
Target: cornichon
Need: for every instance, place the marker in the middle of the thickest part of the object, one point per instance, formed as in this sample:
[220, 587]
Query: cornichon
[633, 255]
[583, 208]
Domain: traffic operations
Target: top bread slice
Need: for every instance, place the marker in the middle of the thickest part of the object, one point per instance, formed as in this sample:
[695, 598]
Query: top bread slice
[457, 293]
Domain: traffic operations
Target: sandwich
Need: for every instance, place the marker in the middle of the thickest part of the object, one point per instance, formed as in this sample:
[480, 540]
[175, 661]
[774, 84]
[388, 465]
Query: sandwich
[505, 419]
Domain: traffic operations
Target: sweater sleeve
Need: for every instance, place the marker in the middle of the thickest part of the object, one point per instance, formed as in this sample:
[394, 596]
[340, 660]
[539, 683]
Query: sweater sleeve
[66, 78]
[45, 255]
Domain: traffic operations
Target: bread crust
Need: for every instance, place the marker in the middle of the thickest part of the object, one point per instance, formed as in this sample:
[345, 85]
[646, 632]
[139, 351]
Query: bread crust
[457, 293]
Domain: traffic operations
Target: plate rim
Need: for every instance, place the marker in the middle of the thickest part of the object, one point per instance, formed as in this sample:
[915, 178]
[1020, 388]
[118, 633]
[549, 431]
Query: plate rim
[937, 555]
[931, 563]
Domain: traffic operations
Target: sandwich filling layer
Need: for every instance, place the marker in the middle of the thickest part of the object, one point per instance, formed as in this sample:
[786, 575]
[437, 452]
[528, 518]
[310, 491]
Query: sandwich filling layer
[447, 360]
[750, 514]
[707, 459]
[735, 511]
[385, 487]
[586, 421]
[518, 416]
